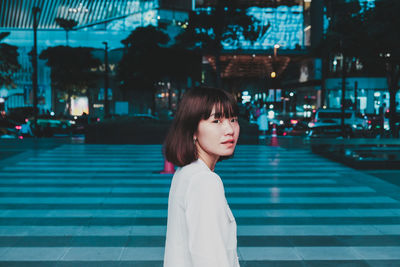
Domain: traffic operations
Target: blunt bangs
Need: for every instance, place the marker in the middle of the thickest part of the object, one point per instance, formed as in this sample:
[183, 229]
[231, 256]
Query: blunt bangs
[224, 108]
[196, 104]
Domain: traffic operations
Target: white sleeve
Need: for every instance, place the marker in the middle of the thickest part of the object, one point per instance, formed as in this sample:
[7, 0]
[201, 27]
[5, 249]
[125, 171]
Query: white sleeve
[206, 219]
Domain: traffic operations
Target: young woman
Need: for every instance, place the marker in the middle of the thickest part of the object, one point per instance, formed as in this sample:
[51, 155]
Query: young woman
[201, 230]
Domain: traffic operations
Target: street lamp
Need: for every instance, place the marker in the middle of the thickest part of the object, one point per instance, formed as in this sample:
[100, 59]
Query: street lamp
[276, 47]
[273, 73]
[35, 11]
[105, 79]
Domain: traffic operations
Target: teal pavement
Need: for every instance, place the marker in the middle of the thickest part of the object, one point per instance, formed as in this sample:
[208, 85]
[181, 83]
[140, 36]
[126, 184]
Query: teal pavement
[106, 205]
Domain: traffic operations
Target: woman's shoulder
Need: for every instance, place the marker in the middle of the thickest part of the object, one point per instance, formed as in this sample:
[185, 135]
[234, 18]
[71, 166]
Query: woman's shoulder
[197, 174]
[207, 182]
[194, 167]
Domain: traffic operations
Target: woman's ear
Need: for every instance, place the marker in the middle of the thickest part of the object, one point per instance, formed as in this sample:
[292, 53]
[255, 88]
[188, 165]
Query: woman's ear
[194, 139]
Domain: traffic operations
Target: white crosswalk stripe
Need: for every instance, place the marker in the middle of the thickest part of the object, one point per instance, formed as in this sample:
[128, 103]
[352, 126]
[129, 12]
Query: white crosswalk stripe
[100, 203]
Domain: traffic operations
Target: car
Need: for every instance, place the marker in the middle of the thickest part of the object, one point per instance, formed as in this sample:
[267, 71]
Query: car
[357, 121]
[328, 122]
[6, 133]
[298, 129]
[145, 117]
[329, 130]
[20, 114]
[50, 127]
[9, 124]
[379, 125]
[284, 125]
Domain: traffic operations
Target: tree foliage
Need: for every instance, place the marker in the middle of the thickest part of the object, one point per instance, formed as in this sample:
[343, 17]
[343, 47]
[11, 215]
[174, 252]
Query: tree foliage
[182, 63]
[67, 25]
[382, 49]
[370, 35]
[226, 21]
[382, 30]
[8, 62]
[143, 64]
[345, 28]
[71, 68]
[345, 34]
[149, 59]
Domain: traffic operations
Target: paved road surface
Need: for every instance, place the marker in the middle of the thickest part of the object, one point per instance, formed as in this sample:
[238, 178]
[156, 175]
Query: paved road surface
[99, 205]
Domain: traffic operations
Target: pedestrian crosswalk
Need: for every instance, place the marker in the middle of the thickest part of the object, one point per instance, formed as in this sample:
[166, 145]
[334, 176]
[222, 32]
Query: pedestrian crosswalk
[106, 205]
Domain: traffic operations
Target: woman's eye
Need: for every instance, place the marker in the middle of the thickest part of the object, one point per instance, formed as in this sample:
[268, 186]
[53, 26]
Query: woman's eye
[234, 119]
[216, 121]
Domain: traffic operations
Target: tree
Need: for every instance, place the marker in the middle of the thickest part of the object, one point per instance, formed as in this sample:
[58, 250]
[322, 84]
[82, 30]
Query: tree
[226, 21]
[144, 62]
[343, 37]
[382, 49]
[371, 35]
[8, 62]
[182, 64]
[71, 69]
[67, 25]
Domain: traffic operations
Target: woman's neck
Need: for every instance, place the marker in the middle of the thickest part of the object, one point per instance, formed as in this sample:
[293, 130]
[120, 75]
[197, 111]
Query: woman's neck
[209, 161]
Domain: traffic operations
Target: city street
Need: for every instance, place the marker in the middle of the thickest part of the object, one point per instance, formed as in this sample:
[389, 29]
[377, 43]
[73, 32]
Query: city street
[307, 91]
[71, 204]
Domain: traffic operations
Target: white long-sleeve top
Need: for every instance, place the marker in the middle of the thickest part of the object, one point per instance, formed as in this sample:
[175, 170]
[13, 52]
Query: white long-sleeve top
[201, 229]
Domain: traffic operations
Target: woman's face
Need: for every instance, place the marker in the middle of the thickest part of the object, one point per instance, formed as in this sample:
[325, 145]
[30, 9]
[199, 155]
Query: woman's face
[216, 137]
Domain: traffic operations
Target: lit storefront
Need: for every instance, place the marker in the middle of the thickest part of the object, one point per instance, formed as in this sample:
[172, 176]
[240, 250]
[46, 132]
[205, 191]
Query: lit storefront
[371, 93]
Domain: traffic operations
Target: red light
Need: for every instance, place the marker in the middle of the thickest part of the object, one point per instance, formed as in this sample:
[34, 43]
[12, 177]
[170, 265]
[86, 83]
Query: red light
[284, 133]
[18, 127]
[98, 119]
[294, 121]
[20, 137]
[26, 120]
[369, 122]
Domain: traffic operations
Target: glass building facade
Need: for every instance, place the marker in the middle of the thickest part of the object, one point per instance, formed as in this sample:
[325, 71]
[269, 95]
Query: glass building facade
[98, 21]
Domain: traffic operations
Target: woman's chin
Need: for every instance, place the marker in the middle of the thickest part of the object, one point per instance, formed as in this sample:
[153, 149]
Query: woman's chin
[228, 153]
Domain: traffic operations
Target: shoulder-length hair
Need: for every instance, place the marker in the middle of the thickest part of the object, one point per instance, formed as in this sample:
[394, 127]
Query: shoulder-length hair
[196, 105]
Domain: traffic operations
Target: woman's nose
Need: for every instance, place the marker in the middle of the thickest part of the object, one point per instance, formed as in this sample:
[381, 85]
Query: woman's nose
[229, 129]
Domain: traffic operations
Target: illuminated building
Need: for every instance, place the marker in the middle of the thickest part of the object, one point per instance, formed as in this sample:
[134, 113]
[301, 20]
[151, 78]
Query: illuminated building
[269, 74]
[98, 21]
[277, 68]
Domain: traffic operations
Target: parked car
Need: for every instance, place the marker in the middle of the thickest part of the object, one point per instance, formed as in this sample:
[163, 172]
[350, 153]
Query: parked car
[6, 133]
[9, 124]
[357, 121]
[329, 130]
[286, 125]
[145, 117]
[20, 114]
[49, 127]
[298, 129]
[379, 125]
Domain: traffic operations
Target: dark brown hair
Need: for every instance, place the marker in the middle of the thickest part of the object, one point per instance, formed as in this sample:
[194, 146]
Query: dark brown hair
[196, 105]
